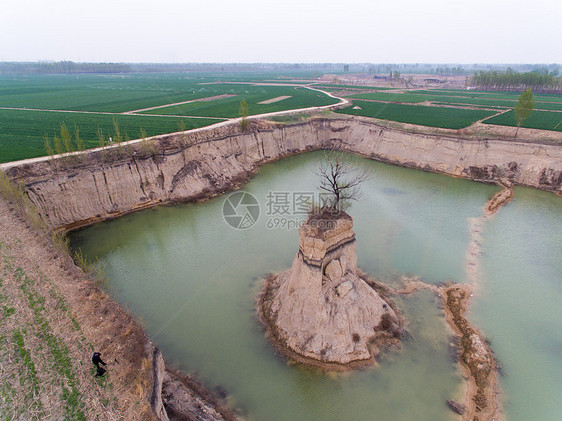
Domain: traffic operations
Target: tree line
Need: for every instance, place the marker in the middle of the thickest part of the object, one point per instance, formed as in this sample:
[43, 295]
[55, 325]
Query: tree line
[544, 82]
[62, 67]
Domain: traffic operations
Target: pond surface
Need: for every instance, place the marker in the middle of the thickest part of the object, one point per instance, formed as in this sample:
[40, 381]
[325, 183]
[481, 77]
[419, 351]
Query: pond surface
[192, 281]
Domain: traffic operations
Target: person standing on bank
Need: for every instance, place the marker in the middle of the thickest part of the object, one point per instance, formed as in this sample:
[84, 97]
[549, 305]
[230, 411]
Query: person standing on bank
[96, 359]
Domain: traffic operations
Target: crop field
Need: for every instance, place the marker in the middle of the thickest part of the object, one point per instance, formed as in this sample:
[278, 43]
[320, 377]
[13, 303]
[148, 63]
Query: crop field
[449, 118]
[413, 97]
[390, 97]
[495, 103]
[29, 104]
[23, 132]
[490, 94]
[230, 107]
[340, 87]
[111, 93]
[539, 120]
[33, 107]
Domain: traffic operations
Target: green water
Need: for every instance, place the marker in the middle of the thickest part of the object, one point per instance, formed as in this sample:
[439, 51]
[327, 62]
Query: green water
[192, 281]
[520, 303]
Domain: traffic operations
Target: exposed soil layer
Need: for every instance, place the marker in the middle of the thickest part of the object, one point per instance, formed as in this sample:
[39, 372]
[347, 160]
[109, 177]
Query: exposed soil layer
[385, 339]
[80, 190]
[478, 363]
[498, 200]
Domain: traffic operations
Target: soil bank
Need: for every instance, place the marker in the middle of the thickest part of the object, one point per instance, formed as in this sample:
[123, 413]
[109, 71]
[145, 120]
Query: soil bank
[81, 190]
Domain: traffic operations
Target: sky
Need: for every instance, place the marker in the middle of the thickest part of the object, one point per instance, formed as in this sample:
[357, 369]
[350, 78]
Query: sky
[289, 31]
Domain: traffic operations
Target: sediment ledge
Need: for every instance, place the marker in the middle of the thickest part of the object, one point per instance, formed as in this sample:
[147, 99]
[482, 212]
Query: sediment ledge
[476, 358]
[480, 369]
[81, 190]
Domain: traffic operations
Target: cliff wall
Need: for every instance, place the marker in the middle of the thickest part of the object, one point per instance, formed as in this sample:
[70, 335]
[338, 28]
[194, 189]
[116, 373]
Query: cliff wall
[193, 165]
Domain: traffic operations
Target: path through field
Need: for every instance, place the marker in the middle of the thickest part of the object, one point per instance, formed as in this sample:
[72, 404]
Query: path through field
[210, 98]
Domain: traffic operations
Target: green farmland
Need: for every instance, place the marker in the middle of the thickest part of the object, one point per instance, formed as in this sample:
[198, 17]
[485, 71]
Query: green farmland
[539, 120]
[230, 107]
[340, 87]
[102, 93]
[449, 118]
[23, 132]
[117, 93]
[480, 101]
[35, 106]
[489, 94]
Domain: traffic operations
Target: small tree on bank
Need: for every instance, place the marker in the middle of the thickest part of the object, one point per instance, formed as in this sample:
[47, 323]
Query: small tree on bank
[244, 122]
[341, 183]
[524, 108]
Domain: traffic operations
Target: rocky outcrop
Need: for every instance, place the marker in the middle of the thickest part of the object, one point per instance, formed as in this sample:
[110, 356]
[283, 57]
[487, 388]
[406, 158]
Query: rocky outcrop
[321, 309]
[199, 164]
[177, 397]
[498, 200]
[158, 370]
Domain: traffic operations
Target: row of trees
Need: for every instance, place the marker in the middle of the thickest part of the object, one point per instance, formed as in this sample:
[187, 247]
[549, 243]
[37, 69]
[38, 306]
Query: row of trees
[546, 82]
[68, 142]
[62, 67]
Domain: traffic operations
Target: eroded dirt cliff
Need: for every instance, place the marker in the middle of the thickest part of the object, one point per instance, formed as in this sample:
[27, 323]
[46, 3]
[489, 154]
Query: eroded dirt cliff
[72, 192]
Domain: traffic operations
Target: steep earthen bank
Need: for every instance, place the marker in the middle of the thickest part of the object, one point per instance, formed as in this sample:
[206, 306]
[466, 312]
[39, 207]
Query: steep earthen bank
[73, 192]
[60, 317]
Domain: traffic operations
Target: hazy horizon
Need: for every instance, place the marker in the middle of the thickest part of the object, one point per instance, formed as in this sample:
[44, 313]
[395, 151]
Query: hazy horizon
[248, 31]
[311, 63]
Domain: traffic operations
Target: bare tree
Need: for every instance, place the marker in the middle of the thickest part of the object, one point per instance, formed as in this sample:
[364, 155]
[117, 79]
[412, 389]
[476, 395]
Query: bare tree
[341, 181]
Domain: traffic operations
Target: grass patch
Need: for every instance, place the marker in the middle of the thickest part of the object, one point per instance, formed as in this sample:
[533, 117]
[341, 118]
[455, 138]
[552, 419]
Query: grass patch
[94, 270]
[30, 375]
[16, 195]
[543, 120]
[290, 118]
[60, 355]
[449, 118]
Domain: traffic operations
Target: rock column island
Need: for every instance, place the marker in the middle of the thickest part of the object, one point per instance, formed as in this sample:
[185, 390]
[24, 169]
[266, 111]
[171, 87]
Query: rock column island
[321, 311]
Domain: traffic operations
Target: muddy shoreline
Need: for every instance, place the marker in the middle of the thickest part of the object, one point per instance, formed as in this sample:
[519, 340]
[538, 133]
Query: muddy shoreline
[482, 399]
